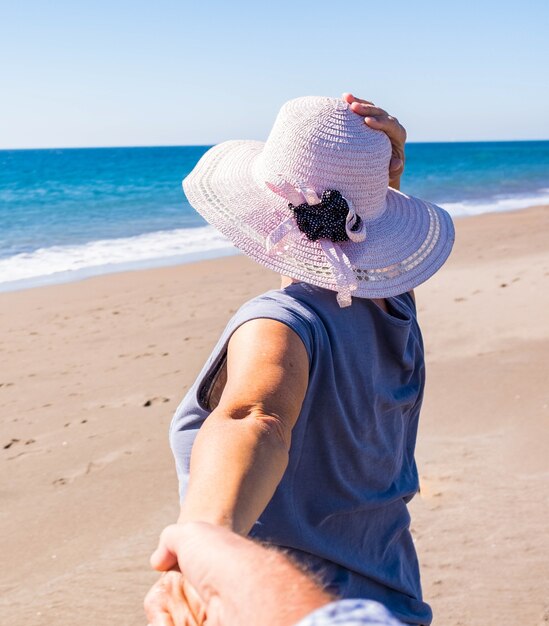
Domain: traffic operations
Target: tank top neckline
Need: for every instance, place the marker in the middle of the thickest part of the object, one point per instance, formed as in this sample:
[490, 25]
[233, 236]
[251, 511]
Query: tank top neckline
[398, 312]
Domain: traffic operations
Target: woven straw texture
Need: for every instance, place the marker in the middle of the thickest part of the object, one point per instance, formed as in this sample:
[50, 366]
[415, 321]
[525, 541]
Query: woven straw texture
[322, 143]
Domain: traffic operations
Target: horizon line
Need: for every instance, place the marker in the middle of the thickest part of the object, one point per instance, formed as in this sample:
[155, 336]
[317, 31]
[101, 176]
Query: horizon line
[209, 145]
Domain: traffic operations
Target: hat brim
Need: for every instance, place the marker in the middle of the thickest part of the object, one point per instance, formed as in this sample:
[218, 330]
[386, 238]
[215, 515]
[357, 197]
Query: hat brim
[403, 248]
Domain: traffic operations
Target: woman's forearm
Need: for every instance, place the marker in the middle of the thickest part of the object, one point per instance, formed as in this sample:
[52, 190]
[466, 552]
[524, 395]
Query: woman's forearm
[236, 465]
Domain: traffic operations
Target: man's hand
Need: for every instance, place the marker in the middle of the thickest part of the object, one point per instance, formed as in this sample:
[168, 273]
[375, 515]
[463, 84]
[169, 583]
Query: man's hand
[237, 581]
[380, 120]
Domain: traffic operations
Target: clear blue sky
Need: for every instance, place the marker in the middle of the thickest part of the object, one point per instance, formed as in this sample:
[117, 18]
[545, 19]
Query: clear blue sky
[162, 72]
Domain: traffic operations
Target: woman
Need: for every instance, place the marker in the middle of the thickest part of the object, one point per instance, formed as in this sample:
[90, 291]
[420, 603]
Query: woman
[303, 421]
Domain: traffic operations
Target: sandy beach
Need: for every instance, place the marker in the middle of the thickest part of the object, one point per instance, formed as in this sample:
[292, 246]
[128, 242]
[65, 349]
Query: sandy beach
[92, 371]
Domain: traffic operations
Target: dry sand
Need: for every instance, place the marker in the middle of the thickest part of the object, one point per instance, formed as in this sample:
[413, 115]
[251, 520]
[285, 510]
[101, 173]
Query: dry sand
[91, 372]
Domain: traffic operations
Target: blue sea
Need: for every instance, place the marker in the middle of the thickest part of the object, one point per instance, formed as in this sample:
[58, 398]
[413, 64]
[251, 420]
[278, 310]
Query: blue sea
[70, 213]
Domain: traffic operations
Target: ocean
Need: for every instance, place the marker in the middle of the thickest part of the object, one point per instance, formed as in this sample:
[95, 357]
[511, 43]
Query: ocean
[70, 213]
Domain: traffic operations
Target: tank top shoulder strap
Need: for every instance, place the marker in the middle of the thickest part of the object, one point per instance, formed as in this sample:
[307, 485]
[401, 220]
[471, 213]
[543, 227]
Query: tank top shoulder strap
[275, 305]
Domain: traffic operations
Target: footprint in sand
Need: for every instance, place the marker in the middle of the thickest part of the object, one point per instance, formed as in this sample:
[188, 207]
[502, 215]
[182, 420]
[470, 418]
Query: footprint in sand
[157, 400]
[28, 442]
[14, 440]
[92, 466]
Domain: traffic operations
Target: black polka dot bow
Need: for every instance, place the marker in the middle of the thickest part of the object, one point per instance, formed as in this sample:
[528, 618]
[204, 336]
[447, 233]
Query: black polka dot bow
[326, 220]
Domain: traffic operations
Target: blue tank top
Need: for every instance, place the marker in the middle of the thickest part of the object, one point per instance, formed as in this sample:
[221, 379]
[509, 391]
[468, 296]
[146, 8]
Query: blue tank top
[341, 505]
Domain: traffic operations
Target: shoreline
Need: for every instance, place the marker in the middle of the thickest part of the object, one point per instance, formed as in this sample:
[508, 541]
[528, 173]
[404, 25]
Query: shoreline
[94, 369]
[85, 273]
[64, 278]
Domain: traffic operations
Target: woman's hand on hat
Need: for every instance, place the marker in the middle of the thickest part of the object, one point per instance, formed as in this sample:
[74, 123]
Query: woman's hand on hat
[379, 119]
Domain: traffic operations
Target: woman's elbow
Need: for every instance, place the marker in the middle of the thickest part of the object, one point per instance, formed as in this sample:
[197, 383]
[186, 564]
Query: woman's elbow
[265, 426]
[273, 428]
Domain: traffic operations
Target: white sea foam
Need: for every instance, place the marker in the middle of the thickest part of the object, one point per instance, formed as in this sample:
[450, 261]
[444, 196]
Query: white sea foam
[69, 262]
[511, 203]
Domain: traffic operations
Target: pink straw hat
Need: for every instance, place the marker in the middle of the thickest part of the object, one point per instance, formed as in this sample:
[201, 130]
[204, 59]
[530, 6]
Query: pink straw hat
[313, 203]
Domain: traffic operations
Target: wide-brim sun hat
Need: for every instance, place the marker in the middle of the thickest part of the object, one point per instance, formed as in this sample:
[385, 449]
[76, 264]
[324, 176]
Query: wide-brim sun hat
[322, 159]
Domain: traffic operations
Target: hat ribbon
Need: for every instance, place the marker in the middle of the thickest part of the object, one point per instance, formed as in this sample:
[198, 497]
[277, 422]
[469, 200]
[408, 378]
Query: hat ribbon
[287, 234]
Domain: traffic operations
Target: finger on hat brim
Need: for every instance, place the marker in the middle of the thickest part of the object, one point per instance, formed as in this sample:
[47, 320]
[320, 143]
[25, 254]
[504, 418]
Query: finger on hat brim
[367, 109]
[381, 122]
[396, 164]
[349, 98]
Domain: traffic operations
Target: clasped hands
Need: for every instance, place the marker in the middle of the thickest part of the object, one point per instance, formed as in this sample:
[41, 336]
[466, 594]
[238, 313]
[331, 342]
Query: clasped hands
[217, 577]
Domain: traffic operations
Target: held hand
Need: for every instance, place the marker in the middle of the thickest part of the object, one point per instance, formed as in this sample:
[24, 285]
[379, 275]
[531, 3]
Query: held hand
[237, 581]
[380, 120]
[172, 601]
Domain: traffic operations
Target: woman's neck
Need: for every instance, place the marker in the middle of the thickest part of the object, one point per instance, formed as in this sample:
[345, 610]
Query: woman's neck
[286, 280]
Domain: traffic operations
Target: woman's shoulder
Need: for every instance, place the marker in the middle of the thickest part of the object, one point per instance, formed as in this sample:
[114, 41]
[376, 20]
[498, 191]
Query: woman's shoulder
[282, 306]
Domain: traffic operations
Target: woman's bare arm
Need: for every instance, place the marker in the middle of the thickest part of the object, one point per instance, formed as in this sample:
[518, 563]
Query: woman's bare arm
[241, 451]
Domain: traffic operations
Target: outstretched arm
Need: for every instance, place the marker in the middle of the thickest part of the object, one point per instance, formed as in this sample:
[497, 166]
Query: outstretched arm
[241, 451]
